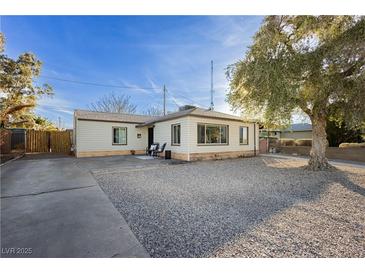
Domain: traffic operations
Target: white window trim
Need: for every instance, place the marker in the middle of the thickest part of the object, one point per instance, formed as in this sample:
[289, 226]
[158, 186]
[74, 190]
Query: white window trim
[172, 135]
[205, 134]
[126, 137]
[239, 135]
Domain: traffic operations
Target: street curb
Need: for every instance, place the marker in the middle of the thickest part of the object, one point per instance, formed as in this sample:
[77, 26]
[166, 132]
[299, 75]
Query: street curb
[11, 160]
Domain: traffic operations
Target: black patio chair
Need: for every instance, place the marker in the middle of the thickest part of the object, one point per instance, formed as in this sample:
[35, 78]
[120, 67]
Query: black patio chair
[157, 152]
[152, 148]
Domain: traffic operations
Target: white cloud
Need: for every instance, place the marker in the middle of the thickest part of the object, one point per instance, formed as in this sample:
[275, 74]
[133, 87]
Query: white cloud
[186, 68]
[54, 107]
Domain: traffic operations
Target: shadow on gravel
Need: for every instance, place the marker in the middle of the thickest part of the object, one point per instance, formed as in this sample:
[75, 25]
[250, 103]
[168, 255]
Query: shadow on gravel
[191, 210]
[348, 184]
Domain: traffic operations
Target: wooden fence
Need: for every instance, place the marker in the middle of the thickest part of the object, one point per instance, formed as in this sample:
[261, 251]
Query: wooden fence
[5, 141]
[48, 141]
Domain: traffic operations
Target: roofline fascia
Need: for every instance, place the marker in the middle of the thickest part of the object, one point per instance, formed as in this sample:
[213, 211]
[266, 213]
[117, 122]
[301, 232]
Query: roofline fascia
[195, 115]
[111, 121]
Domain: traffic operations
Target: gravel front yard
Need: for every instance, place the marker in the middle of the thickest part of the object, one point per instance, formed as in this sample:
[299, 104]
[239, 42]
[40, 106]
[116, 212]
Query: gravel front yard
[257, 207]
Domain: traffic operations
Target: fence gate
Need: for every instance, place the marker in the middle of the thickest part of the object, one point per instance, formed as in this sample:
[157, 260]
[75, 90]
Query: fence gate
[17, 138]
[48, 141]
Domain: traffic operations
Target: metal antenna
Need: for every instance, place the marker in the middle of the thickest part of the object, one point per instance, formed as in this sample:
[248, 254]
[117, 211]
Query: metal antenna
[211, 87]
[164, 100]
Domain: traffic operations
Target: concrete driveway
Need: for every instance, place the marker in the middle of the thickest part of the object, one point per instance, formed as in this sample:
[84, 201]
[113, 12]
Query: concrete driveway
[53, 208]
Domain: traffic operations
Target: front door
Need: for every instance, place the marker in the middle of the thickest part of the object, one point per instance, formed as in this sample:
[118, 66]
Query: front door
[150, 136]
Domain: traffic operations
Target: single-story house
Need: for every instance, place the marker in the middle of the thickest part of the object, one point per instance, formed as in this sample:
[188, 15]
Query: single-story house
[294, 131]
[191, 134]
[297, 131]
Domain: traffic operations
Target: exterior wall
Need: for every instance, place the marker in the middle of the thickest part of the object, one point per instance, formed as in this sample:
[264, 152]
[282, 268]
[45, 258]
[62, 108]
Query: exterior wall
[189, 150]
[233, 142]
[94, 138]
[350, 154]
[296, 135]
[162, 134]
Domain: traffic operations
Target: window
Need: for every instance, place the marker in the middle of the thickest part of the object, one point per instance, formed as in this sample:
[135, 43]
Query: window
[119, 135]
[175, 134]
[212, 134]
[243, 135]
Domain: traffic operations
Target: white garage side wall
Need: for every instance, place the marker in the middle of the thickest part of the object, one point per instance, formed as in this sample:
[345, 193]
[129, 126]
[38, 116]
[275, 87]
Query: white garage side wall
[233, 144]
[97, 136]
[162, 134]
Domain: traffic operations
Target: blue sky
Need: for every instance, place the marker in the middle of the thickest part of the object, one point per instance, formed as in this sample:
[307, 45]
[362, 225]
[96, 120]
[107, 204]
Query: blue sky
[138, 51]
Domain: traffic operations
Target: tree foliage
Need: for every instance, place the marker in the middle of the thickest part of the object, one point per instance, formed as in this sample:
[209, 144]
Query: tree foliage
[309, 63]
[41, 123]
[18, 92]
[113, 103]
[341, 133]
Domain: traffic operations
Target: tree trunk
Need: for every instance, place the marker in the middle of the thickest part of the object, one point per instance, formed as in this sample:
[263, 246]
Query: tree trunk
[318, 160]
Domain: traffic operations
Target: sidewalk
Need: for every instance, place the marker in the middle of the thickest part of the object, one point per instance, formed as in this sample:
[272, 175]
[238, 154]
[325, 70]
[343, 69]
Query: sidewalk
[332, 162]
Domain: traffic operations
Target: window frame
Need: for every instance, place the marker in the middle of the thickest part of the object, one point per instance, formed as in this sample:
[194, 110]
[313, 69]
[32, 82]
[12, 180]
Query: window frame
[172, 134]
[239, 135]
[126, 137]
[205, 134]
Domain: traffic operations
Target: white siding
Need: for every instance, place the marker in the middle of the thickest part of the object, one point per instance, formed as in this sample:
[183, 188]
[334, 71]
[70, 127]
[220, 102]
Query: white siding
[233, 145]
[97, 136]
[162, 134]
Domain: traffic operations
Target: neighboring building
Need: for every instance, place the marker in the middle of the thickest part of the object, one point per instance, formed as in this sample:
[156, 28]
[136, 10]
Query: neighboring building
[264, 133]
[190, 134]
[295, 131]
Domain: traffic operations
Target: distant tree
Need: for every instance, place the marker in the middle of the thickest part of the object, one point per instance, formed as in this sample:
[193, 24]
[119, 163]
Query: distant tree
[340, 133]
[304, 62]
[18, 92]
[42, 123]
[2, 42]
[153, 111]
[113, 103]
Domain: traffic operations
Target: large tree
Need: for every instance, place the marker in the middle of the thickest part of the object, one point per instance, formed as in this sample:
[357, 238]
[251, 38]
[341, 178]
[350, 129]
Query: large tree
[113, 103]
[18, 93]
[307, 63]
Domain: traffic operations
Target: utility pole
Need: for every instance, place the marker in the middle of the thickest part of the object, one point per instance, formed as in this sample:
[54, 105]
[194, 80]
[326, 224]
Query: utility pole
[211, 86]
[59, 122]
[164, 100]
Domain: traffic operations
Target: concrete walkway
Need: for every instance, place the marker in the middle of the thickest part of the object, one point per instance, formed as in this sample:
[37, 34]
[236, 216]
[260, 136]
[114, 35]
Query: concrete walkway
[52, 208]
[332, 162]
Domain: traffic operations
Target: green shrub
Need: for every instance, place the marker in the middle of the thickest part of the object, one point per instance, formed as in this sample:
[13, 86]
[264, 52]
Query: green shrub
[346, 145]
[287, 142]
[303, 142]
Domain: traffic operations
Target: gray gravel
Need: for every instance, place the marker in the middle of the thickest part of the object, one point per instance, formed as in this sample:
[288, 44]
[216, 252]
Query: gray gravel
[257, 207]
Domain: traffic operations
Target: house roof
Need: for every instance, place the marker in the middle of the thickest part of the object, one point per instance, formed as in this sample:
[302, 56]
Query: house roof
[195, 111]
[299, 127]
[111, 117]
[144, 120]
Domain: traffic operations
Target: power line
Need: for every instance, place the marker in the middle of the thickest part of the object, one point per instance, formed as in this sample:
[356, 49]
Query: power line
[187, 98]
[97, 84]
[173, 99]
[123, 87]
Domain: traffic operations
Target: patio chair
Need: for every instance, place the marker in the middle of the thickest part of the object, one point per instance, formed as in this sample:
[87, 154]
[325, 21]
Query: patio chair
[158, 151]
[152, 148]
